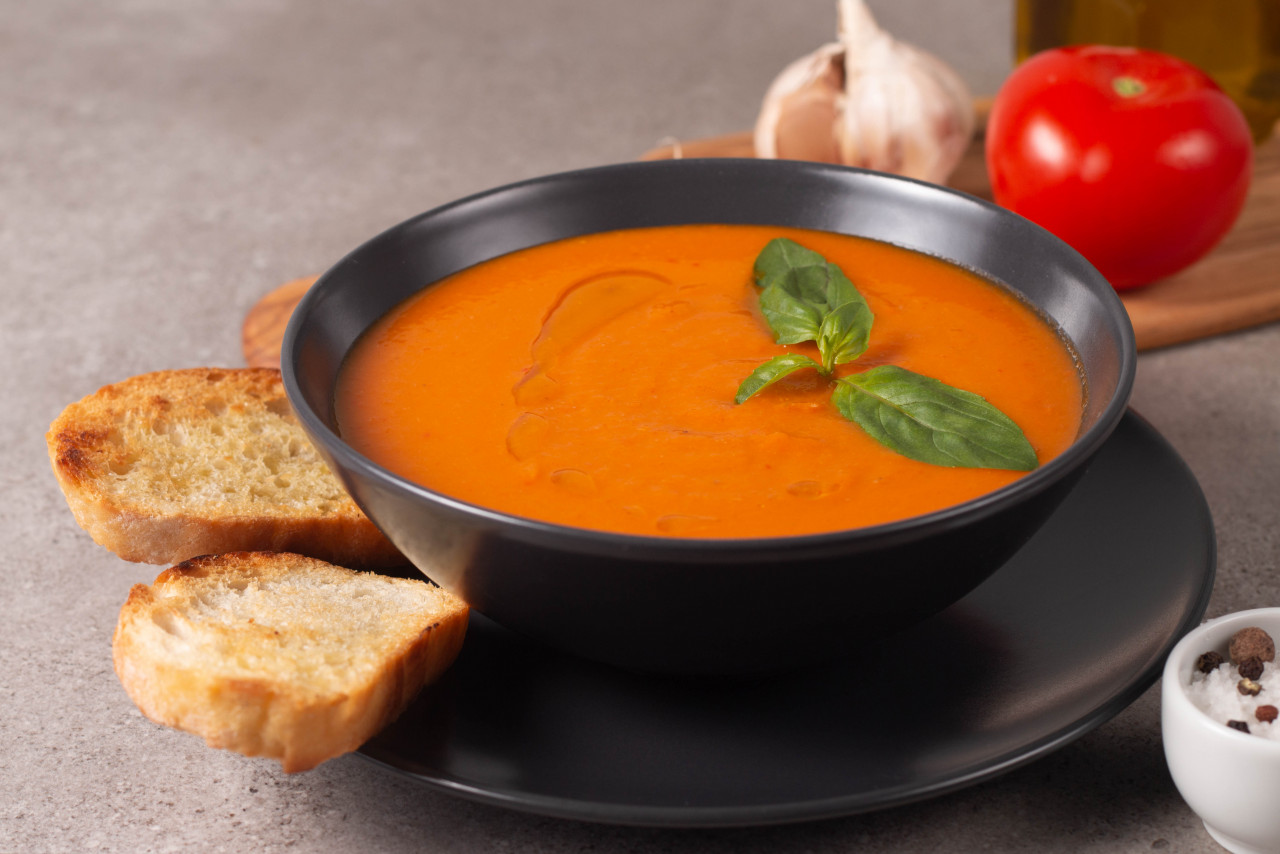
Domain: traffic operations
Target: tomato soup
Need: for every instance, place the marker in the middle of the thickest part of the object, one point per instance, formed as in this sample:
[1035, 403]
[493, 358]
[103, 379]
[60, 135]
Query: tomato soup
[590, 382]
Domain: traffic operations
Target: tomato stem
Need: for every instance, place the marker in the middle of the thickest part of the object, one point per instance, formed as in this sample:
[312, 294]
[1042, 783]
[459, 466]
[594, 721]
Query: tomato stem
[1128, 87]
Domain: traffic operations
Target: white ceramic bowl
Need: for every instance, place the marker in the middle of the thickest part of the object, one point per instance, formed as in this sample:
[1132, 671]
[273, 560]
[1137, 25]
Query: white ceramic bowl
[1231, 779]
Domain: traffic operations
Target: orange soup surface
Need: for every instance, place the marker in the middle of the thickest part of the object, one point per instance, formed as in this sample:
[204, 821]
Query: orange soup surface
[591, 381]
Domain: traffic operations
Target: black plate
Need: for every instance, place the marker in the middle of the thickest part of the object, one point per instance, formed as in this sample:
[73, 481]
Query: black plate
[1062, 638]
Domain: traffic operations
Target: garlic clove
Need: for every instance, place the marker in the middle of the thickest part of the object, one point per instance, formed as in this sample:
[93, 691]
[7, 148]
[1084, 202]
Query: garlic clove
[802, 109]
[868, 100]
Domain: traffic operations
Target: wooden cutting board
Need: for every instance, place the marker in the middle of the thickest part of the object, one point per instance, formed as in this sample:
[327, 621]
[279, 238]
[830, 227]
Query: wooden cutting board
[1236, 286]
[263, 330]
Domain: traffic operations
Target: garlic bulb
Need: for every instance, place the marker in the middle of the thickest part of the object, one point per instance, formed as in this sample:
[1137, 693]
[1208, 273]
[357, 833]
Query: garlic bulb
[868, 100]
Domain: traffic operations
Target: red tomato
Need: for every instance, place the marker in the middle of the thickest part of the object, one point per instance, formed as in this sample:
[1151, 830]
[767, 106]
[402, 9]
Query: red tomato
[1135, 158]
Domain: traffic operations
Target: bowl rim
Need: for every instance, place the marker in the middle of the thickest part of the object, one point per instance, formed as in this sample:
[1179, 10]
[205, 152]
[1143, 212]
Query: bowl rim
[1173, 694]
[700, 549]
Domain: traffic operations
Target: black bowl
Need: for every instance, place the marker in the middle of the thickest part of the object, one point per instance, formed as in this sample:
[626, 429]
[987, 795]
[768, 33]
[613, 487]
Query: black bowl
[707, 606]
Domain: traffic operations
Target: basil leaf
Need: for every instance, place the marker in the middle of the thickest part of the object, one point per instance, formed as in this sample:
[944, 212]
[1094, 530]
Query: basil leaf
[791, 317]
[826, 286]
[927, 420]
[839, 289]
[808, 284]
[779, 257]
[844, 334]
[771, 371]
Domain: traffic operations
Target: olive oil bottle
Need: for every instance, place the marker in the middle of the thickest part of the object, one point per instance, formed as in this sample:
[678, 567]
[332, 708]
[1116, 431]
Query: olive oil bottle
[1237, 42]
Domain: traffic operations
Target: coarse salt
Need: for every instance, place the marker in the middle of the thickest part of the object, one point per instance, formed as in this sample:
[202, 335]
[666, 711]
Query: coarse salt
[1215, 693]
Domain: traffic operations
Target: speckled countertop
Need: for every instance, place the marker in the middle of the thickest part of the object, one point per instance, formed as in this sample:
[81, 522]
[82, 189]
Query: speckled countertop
[163, 165]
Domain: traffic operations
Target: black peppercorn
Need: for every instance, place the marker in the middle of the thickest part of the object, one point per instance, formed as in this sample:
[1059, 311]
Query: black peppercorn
[1251, 667]
[1208, 662]
[1240, 725]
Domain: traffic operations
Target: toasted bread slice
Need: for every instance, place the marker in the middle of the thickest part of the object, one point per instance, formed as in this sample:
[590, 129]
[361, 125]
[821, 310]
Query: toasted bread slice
[170, 465]
[280, 655]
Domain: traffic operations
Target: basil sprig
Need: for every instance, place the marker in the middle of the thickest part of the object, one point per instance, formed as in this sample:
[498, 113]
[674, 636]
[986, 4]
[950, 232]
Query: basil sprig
[806, 298]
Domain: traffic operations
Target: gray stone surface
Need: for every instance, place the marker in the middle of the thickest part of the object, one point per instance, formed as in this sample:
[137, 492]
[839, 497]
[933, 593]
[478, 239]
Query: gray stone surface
[163, 165]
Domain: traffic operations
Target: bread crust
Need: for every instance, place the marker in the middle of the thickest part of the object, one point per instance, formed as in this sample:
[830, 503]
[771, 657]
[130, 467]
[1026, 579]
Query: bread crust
[98, 446]
[188, 661]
